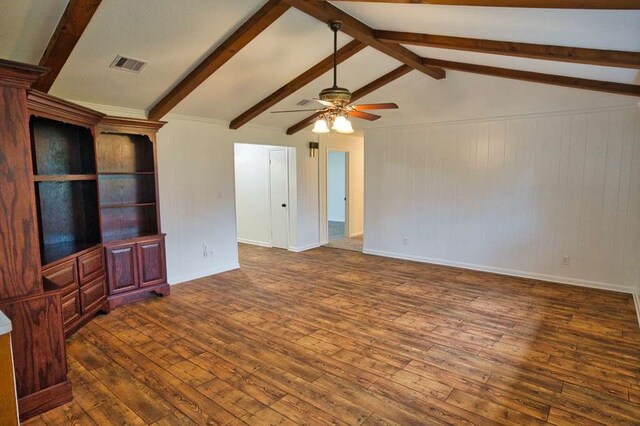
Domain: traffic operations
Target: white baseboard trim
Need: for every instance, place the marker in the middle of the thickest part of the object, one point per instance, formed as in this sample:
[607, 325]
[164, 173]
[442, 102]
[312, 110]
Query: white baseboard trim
[304, 248]
[503, 271]
[202, 274]
[636, 300]
[254, 242]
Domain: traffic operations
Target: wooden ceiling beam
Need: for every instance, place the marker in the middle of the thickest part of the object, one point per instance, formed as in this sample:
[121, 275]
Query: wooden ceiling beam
[607, 58]
[71, 26]
[539, 4]
[556, 80]
[358, 94]
[297, 83]
[326, 12]
[248, 31]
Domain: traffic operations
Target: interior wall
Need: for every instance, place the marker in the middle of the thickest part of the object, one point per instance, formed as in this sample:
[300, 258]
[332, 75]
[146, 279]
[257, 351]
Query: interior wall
[252, 186]
[553, 196]
[354, 145]
[336, 186]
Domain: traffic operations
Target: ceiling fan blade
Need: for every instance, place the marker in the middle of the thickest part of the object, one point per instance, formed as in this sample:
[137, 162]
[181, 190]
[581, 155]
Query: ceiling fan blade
[363, 115]
[388, 105]
[325, 103]
[296, 110]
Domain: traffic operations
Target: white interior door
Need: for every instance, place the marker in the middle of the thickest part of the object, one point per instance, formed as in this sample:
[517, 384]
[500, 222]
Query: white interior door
[279, 194]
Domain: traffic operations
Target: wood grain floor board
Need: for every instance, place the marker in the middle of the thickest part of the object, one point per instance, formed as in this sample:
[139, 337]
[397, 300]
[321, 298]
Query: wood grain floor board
[337, 337]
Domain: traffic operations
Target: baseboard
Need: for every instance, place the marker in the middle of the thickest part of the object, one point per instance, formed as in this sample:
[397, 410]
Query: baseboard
[254, 242]
[213, 271]
[356, 234]
[636, 300]
[304, 248]
[45, 400]
[503, 271]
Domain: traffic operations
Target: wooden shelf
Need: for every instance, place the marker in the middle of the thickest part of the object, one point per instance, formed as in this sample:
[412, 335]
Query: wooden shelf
[63, 178]
[54, 252]
[128, 237]
[119, 206]
[125, 173]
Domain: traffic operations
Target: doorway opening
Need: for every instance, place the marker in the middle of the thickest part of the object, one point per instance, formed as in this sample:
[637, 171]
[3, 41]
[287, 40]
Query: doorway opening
[337, 194]
[340, 231]
[264, 197]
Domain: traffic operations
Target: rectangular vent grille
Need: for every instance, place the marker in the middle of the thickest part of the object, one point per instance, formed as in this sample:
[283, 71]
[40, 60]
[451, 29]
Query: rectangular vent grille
[127, 64]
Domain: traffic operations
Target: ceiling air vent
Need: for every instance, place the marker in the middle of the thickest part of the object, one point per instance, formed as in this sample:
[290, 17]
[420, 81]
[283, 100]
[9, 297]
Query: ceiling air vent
[127, 64]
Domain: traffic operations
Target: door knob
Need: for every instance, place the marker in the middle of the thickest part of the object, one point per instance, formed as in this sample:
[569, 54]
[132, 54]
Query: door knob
[284, 205]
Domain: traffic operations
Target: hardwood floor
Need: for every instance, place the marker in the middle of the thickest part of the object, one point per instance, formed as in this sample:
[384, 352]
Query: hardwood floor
[337, 337]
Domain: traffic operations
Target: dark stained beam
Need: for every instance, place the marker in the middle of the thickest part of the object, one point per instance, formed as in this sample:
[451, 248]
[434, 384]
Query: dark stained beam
[248, 31]
[297, 83]
[542, 4]
[556, 80]
[358, 94]
[326, 13]
[72, 24]
[608, 58]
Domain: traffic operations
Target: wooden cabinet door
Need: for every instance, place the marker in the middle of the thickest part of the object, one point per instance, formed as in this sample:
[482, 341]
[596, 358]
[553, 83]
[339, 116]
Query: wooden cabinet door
[121, 268]
[151, 262]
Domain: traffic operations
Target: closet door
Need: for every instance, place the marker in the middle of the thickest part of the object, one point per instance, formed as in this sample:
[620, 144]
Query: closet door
[122, 268]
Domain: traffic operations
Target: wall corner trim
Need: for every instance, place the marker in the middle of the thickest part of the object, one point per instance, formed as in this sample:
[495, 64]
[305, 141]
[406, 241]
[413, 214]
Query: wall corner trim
[304, 248]
[255, 242]
[207, 273]
[636, 300]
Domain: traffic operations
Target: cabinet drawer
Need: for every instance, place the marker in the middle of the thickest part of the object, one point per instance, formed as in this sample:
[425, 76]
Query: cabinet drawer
[92, 294]
[62, 276]
[90, 265]
[70, 308]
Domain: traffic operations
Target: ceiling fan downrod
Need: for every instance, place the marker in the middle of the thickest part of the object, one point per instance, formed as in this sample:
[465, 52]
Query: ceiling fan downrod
[335, 27]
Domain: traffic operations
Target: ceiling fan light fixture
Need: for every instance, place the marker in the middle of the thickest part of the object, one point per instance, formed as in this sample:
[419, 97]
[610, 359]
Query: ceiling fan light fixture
[342, 125]
[321, 126]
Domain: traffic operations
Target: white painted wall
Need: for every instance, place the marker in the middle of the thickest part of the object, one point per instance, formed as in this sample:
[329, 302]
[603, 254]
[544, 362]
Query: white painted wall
[354, 145]
[512, 195]
[336, 186]
[252, 181]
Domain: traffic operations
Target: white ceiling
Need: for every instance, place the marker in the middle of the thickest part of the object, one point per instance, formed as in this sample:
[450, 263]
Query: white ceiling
[27, 26]
[174, 36]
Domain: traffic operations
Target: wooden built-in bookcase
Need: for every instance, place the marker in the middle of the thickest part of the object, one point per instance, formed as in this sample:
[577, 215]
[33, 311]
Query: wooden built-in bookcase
[129, 208]
[64, 165]
[127, 185]
[80, 232]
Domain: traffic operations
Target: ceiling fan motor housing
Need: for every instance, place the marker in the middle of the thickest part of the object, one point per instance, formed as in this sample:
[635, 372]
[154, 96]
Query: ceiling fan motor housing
[339, 96]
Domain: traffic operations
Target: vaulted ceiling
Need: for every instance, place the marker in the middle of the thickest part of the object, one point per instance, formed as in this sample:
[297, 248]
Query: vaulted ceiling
[174, 37]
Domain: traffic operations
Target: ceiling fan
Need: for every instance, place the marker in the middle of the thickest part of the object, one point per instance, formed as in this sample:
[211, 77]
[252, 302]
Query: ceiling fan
[337, 101]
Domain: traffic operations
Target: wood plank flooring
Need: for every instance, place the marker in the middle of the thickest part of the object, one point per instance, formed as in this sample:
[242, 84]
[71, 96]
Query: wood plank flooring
[337, 337]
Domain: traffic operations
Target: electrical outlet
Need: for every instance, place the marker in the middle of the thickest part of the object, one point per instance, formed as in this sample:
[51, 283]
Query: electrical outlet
[219, 195]
[405, 241]
[565, 260]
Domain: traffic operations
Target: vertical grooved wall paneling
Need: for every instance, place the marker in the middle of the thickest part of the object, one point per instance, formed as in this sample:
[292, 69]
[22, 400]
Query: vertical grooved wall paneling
[514, 195]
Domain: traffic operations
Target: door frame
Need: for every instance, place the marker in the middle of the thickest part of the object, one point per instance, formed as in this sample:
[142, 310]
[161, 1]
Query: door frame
[346, 190]
[286, 152]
